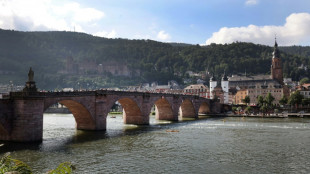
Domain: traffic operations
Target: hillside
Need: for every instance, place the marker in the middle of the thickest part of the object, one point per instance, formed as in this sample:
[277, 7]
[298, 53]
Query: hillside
[145, 60]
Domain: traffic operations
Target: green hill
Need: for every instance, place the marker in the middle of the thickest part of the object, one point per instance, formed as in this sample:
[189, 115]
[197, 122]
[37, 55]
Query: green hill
[47, 53]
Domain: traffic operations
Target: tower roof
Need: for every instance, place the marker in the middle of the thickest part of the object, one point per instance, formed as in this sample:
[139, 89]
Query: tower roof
[224, 78]
[212, 78]
[276, 53]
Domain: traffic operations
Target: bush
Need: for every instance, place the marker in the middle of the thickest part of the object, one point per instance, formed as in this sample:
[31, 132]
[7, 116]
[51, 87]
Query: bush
[10, 165]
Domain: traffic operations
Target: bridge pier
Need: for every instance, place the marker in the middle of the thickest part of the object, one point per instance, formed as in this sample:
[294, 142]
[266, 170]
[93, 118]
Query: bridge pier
[27, 122]
[138, 120]
[100, 115]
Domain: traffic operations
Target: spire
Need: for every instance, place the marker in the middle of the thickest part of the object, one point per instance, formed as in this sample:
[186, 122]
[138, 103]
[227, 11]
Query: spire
[212, 78]
[224, 78]
[276, 53]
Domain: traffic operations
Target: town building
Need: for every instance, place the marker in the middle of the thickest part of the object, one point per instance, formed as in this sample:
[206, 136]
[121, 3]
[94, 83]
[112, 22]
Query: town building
[220, 90]
[218, 93]
[275, 78]
[197, 89]
[253, 86]
[171, 87]
[262, 90]
[304, 90]
[239, 96]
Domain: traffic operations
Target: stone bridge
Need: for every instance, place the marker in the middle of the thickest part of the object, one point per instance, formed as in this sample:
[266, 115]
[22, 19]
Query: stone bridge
[21, 114]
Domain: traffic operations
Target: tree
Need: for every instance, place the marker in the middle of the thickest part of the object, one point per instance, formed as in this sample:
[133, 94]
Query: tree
[248, 109]
[246, 100]
[269, 100]
[304, 80]
[239, 109]
[295, 99]
[263, 109]
[234, 109]
[260, 101]
[283, 100]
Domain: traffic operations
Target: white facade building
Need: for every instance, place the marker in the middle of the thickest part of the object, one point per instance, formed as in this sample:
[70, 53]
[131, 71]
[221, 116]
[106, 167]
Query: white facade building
[213, 84]
[225, 88]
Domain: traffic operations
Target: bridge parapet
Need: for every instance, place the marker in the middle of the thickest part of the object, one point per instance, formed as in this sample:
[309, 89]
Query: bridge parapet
[21, 94]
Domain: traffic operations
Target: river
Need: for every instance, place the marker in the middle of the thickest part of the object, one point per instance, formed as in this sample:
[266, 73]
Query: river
[205, 145]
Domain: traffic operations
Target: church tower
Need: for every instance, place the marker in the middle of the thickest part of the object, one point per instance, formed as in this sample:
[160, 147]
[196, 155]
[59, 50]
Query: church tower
[276, 66]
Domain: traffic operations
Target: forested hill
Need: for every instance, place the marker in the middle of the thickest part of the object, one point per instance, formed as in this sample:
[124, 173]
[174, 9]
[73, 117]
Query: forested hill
[46, 52]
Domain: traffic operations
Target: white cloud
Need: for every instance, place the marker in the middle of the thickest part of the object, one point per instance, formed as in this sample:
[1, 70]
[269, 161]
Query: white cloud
[251, 2]
[295, 31]
[162, 35]
[111, 34]
[45, 15]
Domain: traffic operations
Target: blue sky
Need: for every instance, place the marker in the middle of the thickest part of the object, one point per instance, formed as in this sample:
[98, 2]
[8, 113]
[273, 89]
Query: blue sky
[186, 21]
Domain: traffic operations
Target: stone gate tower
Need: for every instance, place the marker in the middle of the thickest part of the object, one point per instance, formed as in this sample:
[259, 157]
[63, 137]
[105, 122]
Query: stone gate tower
[276, 66]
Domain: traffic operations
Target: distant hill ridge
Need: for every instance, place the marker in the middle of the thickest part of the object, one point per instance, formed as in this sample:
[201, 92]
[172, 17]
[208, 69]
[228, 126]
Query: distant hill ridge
[47, 53]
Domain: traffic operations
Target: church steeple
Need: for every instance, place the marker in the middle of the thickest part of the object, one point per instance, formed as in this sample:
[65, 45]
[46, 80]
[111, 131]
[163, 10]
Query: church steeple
[275, 53]
[276, 66]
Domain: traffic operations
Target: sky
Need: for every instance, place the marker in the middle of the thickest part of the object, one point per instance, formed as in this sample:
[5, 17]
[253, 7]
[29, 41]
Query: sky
[183, 21]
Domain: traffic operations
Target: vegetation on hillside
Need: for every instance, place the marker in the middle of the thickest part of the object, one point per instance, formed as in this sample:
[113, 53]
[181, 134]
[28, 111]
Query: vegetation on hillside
[46, 52]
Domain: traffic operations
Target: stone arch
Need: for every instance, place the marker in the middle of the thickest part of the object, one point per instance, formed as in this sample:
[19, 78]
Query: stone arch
[187, 109]
[131, 111]
[82, 116]
[163, 109]
[204, 108]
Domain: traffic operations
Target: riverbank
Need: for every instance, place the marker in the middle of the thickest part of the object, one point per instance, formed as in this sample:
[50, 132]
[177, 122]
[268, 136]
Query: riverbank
[280, 115]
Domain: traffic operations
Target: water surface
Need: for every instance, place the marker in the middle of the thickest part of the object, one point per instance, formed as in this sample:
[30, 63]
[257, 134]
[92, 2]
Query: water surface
[206, 145]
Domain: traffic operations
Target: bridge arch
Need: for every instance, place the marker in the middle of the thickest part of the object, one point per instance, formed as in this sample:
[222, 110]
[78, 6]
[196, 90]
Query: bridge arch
[187, 109]
[131, 110]
[83, 118]
[163, 109]
[204, 108]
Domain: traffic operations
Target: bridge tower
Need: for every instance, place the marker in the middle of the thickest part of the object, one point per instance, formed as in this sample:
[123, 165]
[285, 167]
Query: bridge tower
[225, 88]
[213, 84]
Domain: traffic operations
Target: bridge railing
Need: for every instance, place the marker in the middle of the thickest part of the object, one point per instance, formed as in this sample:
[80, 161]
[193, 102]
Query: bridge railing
[93, 93]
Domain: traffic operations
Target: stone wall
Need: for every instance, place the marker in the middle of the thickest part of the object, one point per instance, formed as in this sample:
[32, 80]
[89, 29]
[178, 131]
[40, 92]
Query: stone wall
[27, 122]
[6, 113]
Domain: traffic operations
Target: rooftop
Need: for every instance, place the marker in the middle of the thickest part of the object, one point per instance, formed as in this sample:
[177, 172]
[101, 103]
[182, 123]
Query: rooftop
[196, 86]
[249, 78]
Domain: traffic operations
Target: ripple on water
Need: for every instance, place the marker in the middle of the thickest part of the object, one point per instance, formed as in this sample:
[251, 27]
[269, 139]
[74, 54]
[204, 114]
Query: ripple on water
[211, 145]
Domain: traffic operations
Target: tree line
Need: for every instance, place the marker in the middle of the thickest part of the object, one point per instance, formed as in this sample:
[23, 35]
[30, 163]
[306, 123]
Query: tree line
[265, 104]
[46, 52]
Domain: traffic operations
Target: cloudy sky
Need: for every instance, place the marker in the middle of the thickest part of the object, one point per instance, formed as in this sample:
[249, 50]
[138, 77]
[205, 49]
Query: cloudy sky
[186, 21]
